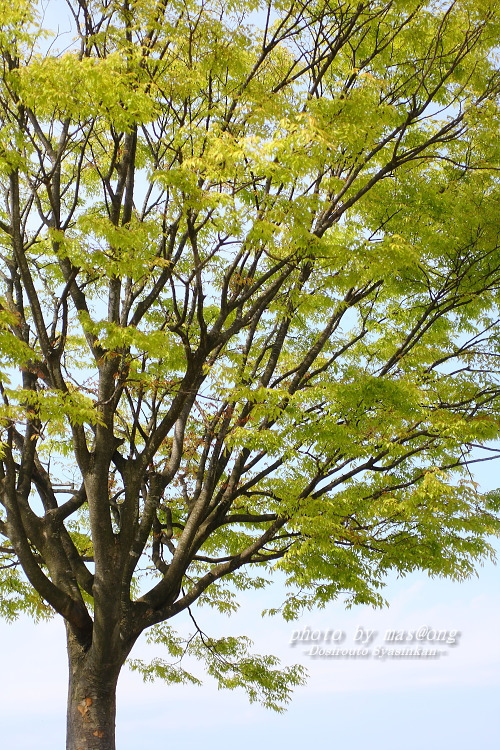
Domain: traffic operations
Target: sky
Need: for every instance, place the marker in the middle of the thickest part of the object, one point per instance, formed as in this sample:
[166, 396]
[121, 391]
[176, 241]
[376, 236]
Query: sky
[449, 701]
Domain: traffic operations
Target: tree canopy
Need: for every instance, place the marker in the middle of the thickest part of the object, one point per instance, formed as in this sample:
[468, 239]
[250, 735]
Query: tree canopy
[250, 265]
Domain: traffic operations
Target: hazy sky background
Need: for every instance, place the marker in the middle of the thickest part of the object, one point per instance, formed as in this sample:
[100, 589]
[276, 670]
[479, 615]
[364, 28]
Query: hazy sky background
[449, 703]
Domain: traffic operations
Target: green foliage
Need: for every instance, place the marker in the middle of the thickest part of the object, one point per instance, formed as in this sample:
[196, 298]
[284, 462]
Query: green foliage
[228, 661]
[17, 597]
[249, 317]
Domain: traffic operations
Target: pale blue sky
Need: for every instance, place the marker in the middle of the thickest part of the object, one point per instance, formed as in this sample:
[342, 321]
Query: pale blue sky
[384, 705]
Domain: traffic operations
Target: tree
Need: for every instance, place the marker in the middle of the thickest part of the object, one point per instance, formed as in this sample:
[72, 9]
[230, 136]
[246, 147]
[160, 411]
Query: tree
[251, 267]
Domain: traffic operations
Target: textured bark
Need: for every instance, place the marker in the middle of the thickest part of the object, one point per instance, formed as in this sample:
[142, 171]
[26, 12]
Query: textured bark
[91, 700]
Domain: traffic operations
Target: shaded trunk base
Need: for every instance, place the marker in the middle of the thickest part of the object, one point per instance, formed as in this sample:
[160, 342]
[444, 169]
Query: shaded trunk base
[91, 696]
[91, 711]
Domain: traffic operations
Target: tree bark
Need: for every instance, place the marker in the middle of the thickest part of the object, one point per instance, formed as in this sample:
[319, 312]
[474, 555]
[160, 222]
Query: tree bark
[91, 699]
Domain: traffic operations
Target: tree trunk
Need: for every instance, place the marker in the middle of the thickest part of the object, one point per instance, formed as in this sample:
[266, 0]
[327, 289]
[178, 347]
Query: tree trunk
[91, 700]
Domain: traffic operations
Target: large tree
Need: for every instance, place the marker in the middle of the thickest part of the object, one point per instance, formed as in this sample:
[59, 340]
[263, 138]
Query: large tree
[250, 258]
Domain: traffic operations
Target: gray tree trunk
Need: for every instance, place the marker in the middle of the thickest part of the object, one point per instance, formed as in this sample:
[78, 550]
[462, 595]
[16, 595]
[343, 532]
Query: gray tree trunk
[91, 699]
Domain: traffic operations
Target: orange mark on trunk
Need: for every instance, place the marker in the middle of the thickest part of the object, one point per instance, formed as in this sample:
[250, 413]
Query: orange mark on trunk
[83, 706]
